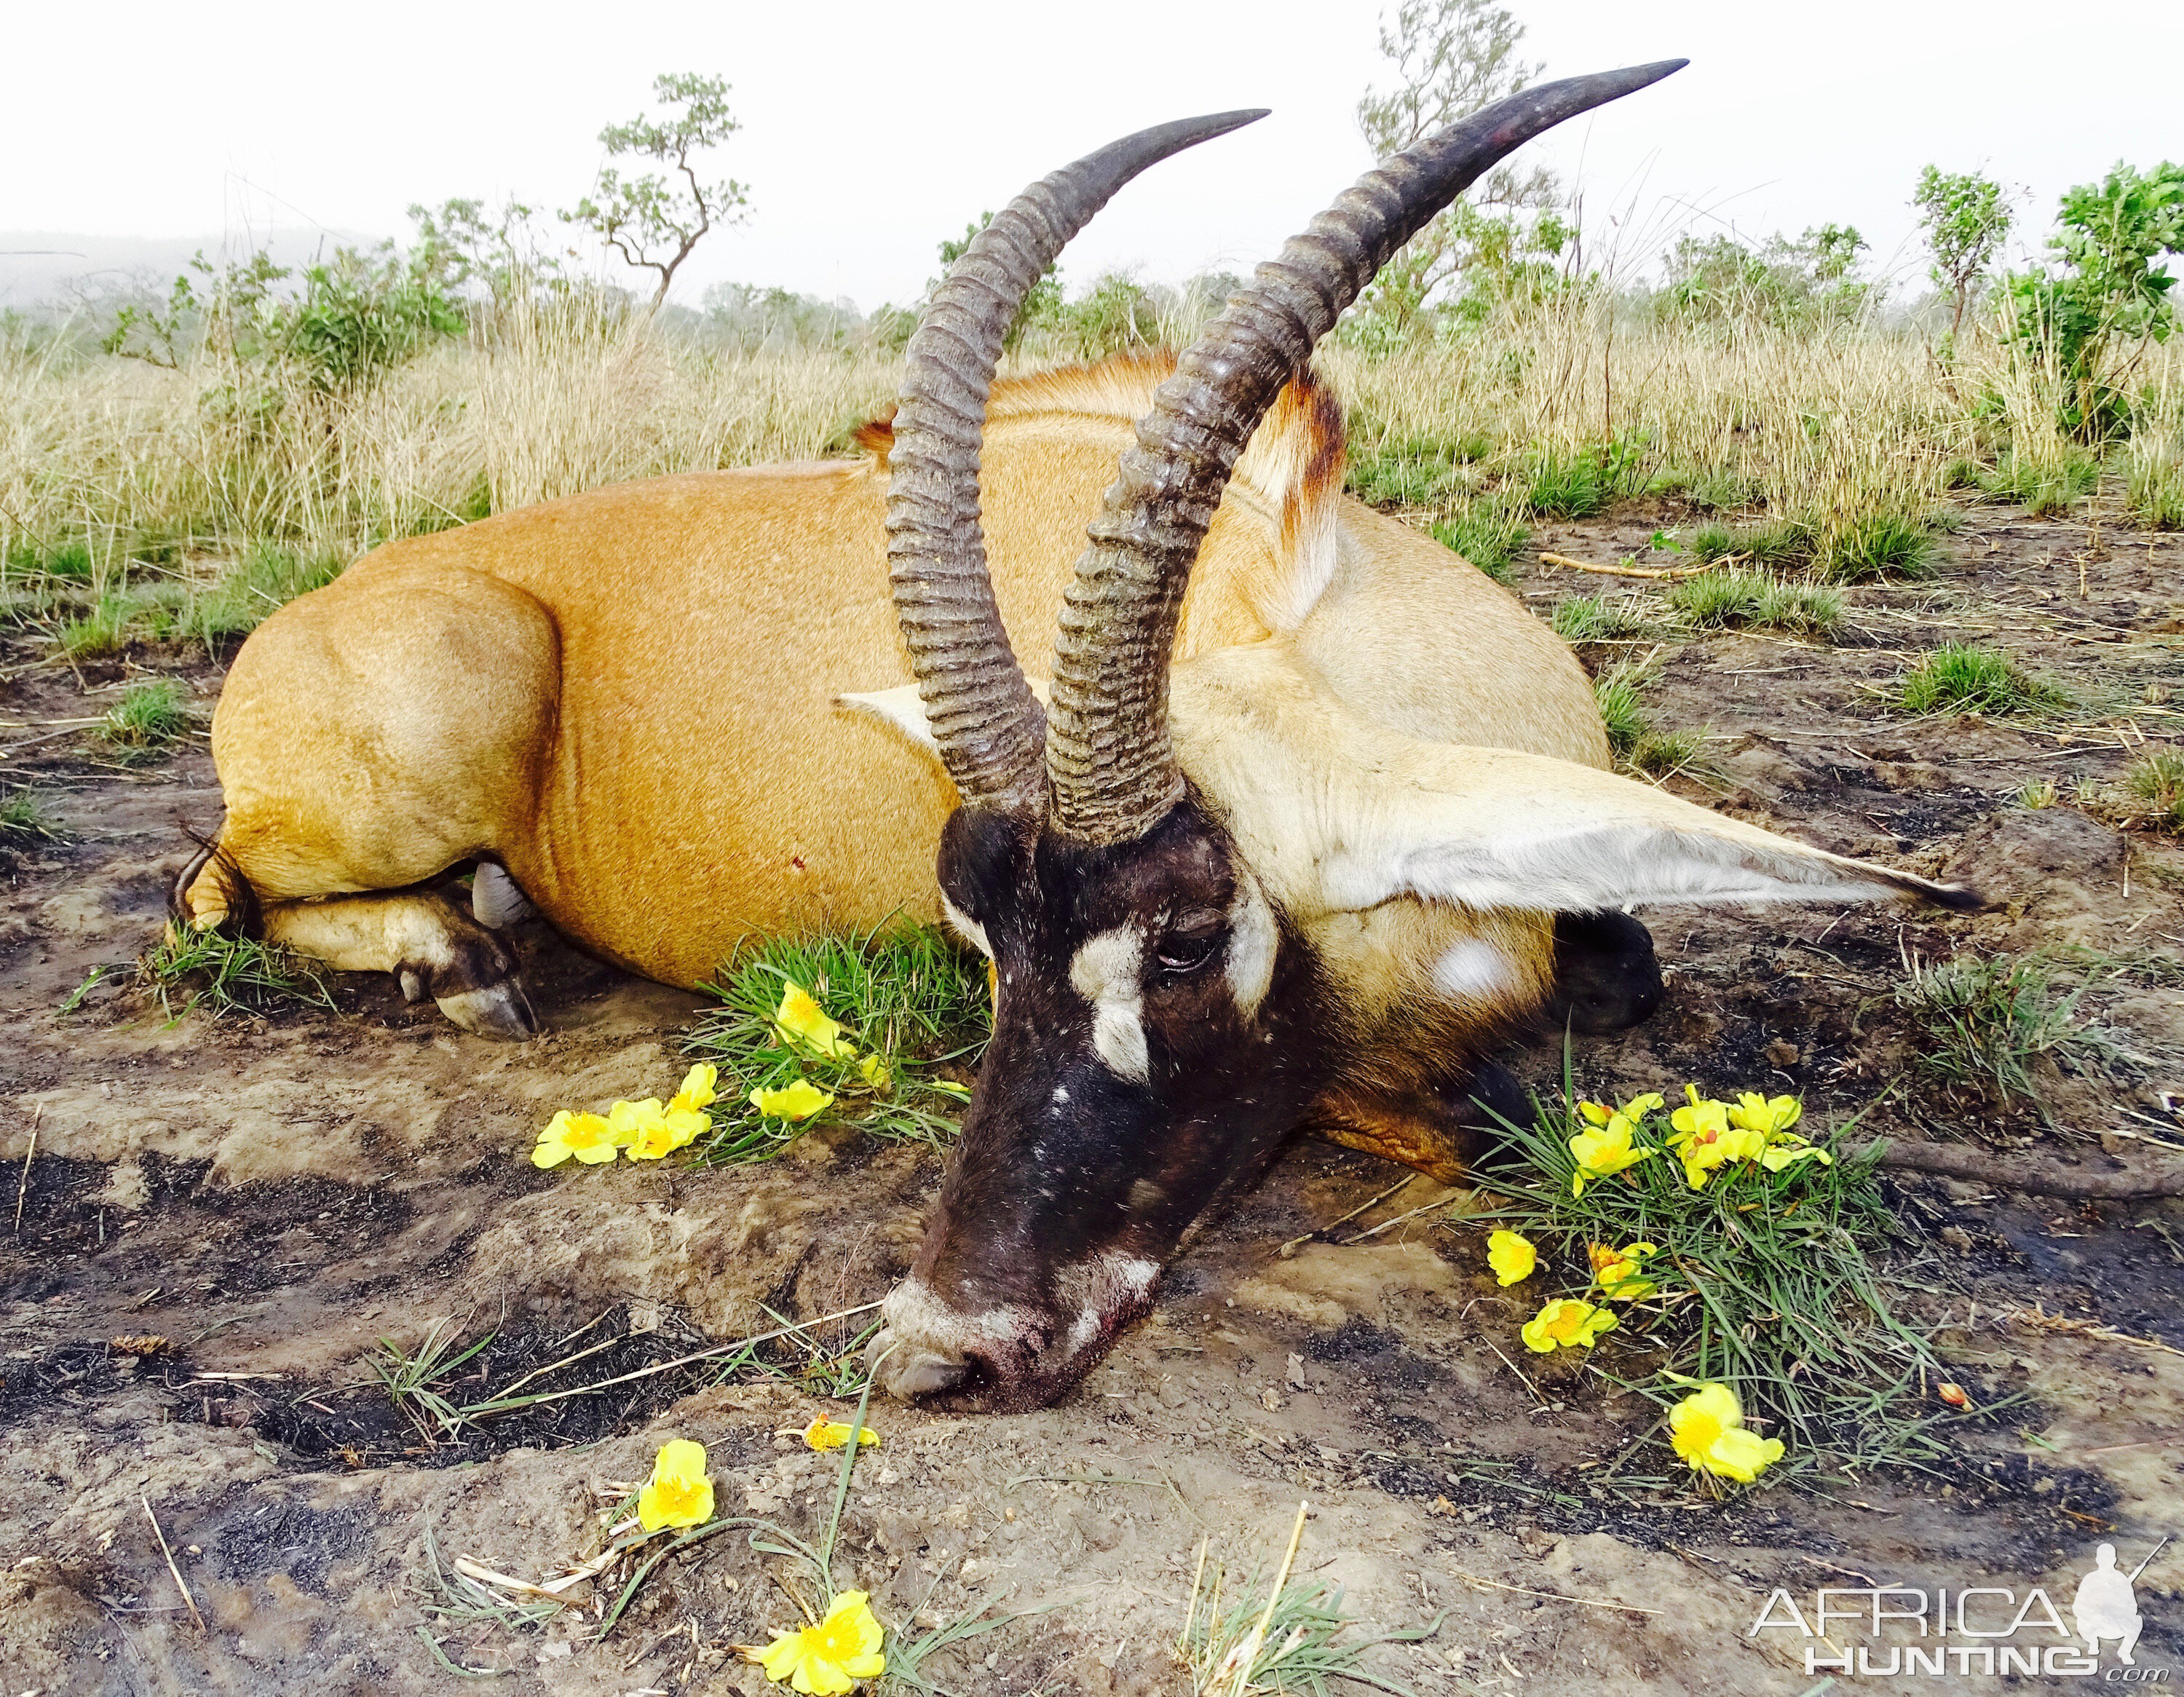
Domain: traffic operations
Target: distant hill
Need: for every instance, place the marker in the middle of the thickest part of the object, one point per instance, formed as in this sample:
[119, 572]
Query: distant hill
[54, 268]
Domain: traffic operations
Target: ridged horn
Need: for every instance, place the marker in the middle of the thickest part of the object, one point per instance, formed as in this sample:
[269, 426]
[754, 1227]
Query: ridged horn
[1108, 756]
[990, 726]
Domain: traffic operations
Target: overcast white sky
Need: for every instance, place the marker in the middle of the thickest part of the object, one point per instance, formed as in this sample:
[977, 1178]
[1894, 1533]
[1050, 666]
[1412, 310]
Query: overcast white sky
[868, 135]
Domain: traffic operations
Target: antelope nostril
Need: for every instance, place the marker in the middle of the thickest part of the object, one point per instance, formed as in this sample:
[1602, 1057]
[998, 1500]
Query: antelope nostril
[922, 1372]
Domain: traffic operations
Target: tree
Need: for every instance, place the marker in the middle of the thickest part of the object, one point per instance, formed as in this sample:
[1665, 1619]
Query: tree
[461, 244]
[2109, 291]
[1449, 59]
[650, 219]
[1965, 217]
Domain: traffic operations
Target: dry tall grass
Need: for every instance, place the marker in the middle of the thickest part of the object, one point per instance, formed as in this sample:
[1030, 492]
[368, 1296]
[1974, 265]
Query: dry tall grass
[142, 471]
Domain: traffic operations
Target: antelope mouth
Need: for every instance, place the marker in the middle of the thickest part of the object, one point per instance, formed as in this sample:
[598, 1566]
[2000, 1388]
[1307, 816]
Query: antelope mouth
[1009, 1359]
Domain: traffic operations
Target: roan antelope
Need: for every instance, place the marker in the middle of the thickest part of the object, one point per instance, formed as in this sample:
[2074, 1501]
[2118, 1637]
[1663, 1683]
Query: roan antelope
[1314, 813]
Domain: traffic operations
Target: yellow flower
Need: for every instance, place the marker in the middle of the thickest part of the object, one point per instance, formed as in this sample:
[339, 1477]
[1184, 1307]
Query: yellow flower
[1756, 1113]
[1512, 1256]
[696, 1091]
[672, 1129]
[799, 1101]
[832, 1434]
[874, 1071]
[679, 1493]
[830, 1658]
[1707, 1430]
[1566, 1324]
[1618, 1271]
[585, 1136]
[798, 1019]
[1604, 1153]
[1703, 1138]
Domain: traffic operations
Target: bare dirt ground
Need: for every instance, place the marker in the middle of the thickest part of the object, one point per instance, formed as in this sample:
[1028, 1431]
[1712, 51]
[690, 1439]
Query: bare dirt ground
[271, 1195]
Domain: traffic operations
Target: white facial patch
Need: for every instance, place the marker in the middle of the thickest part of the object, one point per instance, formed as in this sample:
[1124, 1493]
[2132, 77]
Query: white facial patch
[1253, 938]
[1105, 971]
[1472, 969]
[971, 930]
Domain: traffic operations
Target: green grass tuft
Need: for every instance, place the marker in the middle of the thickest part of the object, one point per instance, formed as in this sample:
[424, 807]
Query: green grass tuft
[1876, 546]
[259, 585]
[1487, 534]
[22, 816]
[2154, 483]
[226, 974]
[1988, 1021]
[1601, 618]
[1416, 472]
[2044, 488]
[1631, 738]
[150, 716]
[2157, 778]
[1580, 483]
[1958, 677]
[1735, 597]
[906, 993]
[1302, 1647]
[1775, 545]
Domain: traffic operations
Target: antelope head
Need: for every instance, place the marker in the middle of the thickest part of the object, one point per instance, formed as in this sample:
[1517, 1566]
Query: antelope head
[1155, 895]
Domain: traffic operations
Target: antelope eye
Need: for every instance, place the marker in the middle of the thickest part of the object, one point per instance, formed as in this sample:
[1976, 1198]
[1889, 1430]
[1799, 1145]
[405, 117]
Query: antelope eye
[1189, 942]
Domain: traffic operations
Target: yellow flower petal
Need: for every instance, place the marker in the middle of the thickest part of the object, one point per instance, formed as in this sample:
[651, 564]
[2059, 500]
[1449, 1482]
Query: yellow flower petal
[797, 1101]
[1706, 1429]
[630, 1120]
[874, 1071]
[832, 1434]
[696, 1091]
[1511, 1257]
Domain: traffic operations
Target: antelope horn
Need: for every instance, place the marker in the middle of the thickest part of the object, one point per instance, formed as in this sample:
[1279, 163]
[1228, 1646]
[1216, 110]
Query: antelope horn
[1108, 756]
[990, 726]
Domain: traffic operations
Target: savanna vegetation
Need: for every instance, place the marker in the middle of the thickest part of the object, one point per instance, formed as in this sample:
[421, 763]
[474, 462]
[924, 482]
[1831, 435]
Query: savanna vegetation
[1785, 449]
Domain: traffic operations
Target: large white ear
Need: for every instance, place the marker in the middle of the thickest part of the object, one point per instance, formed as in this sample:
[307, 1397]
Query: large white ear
[1337, 813]
[901, 711]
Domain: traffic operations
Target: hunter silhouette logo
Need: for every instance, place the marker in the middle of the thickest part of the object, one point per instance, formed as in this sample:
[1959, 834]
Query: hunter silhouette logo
[1980, 1629]
[2106, 1606]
